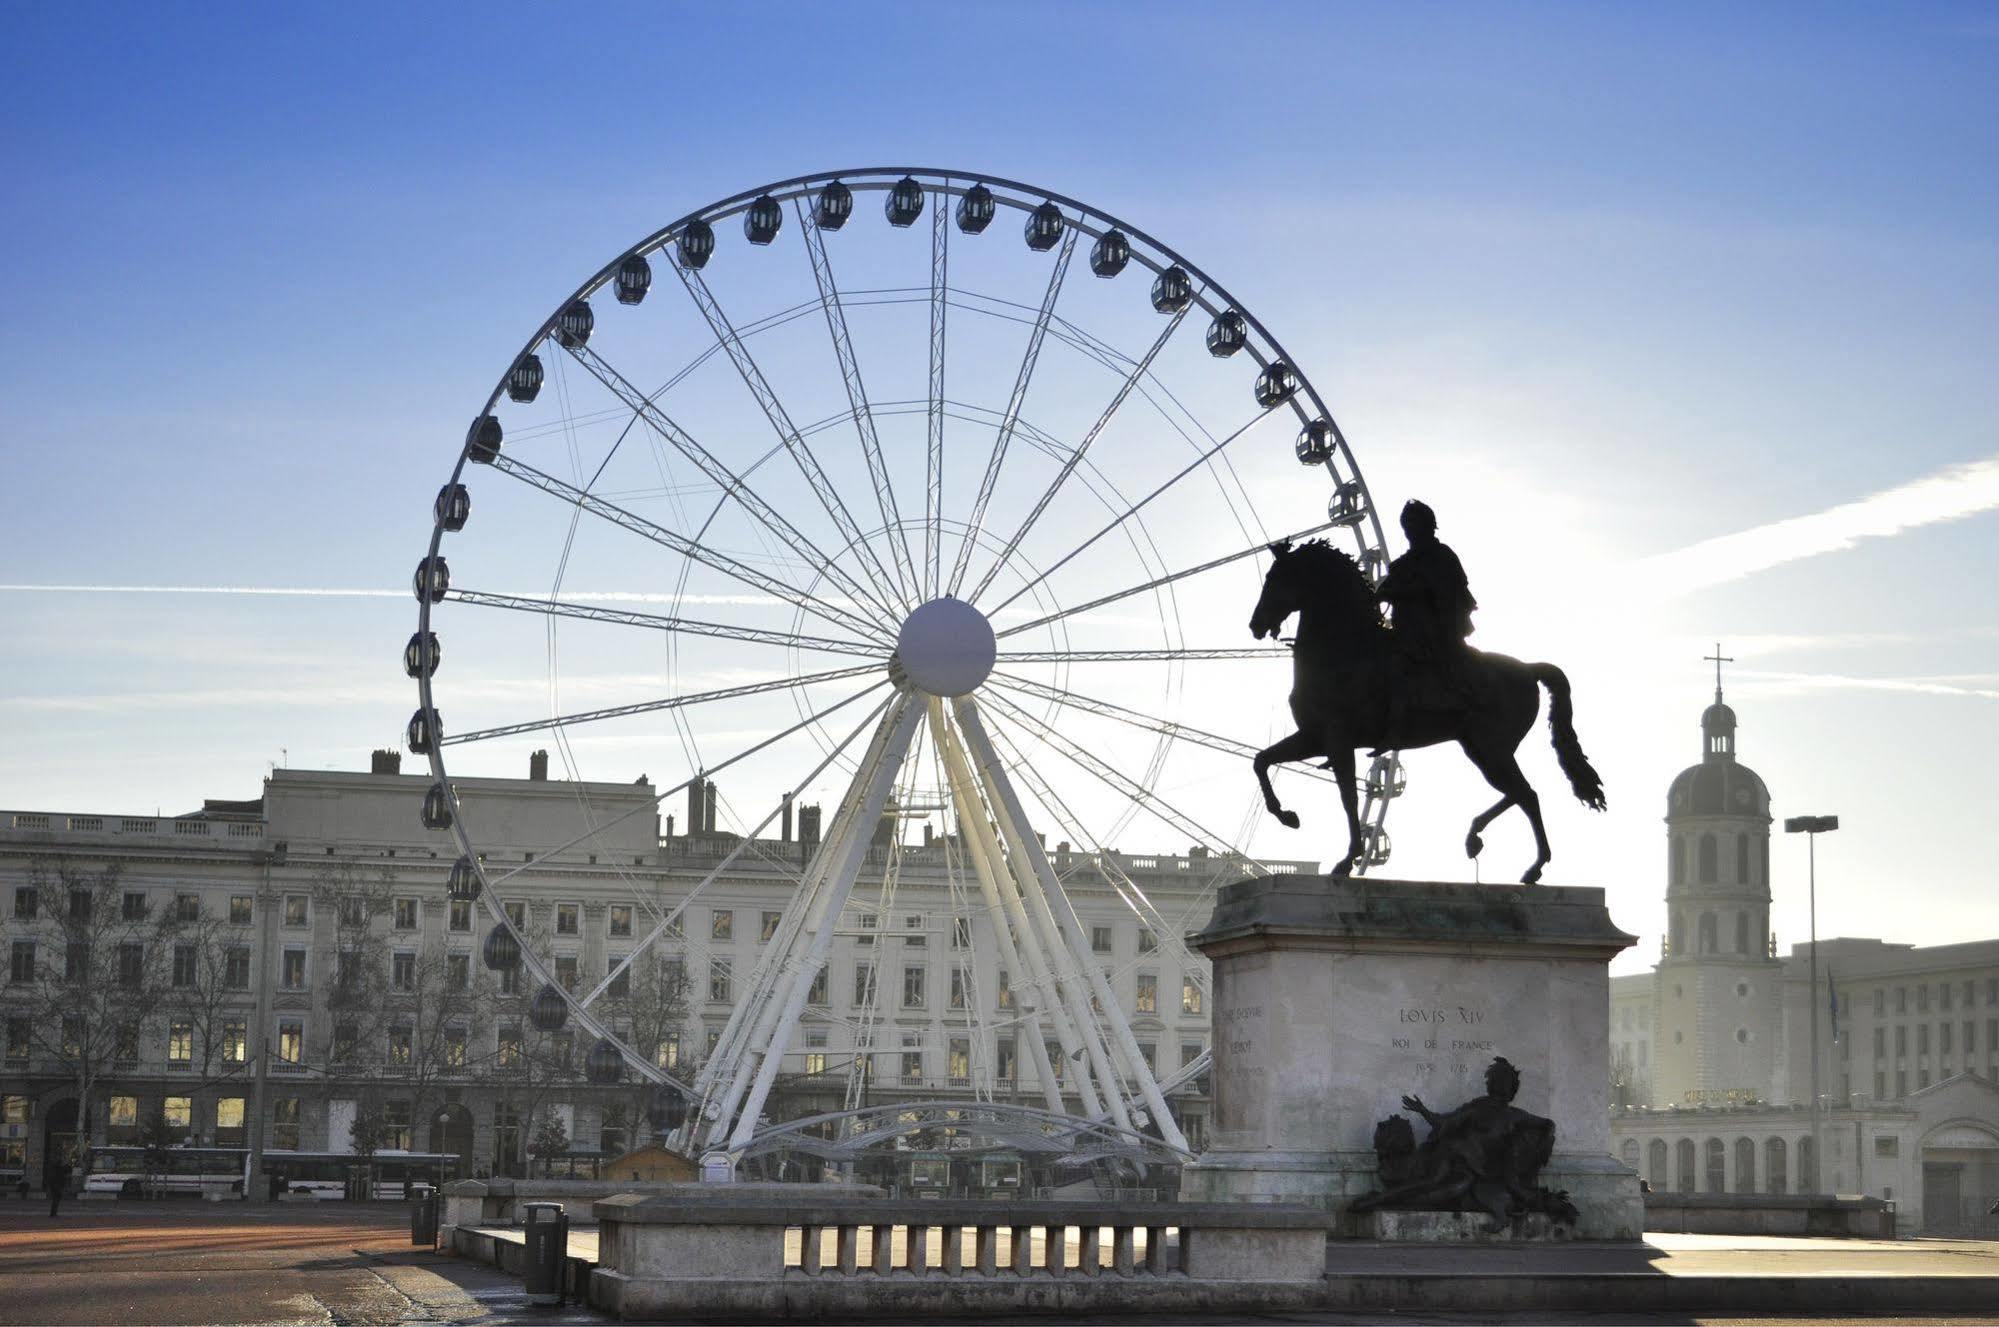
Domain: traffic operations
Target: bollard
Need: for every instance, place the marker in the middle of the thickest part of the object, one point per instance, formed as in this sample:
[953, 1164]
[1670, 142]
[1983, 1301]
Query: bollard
[423, 1216]
[546, 1229]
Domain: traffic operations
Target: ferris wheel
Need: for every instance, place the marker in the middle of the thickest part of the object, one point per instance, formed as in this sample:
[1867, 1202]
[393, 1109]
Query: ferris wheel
[910, 491]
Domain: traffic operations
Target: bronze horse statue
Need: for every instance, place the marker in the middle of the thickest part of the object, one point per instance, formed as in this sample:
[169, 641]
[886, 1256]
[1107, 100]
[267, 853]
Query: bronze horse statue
[1344, 676]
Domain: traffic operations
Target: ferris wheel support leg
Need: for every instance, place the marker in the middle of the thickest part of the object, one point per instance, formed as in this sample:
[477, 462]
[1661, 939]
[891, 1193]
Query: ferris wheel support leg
[780, 1020]
[1070, 1019]
[984, 854]
[975, 733]
[1037, 884]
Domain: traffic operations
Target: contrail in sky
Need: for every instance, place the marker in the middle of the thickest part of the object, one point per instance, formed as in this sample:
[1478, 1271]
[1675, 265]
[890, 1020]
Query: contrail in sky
[1950, 494]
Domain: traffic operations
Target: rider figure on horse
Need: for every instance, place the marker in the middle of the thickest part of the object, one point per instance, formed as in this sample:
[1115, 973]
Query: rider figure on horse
[1432, 604]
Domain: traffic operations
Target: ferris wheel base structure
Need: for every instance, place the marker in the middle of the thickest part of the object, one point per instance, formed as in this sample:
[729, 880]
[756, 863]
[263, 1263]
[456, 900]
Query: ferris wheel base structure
[1334, 998]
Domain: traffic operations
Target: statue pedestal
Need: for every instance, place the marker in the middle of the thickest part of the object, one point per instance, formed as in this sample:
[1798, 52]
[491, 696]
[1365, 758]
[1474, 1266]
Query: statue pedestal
[1334, 998]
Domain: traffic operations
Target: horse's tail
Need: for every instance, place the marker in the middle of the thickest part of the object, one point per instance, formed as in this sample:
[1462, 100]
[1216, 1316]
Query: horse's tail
[1582, 776]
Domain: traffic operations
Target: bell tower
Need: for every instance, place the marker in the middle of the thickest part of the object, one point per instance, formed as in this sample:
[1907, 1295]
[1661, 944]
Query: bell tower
[1717, 990]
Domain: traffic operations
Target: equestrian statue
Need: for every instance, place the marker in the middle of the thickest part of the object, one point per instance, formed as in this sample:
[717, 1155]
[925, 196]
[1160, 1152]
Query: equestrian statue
[1359, 680]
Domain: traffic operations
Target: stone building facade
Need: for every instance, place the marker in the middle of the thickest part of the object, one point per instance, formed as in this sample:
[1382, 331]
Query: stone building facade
[1711, 1050]
[272, 874]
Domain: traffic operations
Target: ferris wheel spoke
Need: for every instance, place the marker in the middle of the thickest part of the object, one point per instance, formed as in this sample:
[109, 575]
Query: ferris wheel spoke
[1035, 337]
[656, 706]
[1115, 779]
[661, 622]
[1138, 371]
[746, 843]
[788, 434]
[1168, 579]
[731, 484]
[933, 464]
[687, 548]
[1132, 511]
[1147, 656]
[857, 397]
[494, 882]
[1180, 732]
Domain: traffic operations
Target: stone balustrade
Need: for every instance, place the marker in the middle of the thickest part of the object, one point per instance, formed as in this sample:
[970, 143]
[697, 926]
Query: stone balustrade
[499, 1201]
[815, 1256]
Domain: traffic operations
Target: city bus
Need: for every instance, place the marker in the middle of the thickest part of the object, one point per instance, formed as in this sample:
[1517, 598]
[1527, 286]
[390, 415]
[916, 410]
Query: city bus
[178, 1171]
[329, 1176]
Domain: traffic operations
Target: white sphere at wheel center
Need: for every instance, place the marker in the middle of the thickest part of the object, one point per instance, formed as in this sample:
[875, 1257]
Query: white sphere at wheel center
[946, 647]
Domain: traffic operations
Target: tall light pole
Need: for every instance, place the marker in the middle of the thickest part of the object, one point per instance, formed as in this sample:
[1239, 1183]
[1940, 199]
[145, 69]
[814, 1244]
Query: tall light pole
[1811, 827]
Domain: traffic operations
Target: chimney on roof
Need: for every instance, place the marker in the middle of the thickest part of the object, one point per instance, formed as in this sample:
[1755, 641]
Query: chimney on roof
[385, 762]
[786, 836]
[808, 831]
[707, 806]
[695, 788]
[538, 766]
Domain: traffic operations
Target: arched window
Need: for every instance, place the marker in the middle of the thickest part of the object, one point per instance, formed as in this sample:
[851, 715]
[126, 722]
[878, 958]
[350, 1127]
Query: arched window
[1684, 1155]
[1629, 1153]
[1741, 932]
[1808, 1170]
[1655, 1165]
[1776, 1176]
[1679, 855]
[1741, 859]
[1745, 1165]
[1717, 1166]
[1677, 946]
[1709, 939]
[1710, 865]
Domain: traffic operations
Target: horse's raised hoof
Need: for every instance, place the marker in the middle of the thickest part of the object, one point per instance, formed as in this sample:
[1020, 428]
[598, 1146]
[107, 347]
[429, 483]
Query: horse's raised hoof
[1288, 819]
[1343, 869]
[1474, 845]
[1533, 876]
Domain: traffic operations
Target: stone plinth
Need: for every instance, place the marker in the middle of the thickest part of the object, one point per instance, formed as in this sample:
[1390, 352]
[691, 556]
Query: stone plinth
[1333, 998]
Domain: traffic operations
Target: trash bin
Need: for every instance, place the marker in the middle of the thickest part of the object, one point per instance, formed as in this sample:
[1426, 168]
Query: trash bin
[423, 1216]
[547, 1230]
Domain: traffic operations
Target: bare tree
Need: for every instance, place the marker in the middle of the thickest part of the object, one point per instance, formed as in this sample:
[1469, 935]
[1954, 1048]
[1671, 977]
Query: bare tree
[650, 1010]
[99, 972]
[208, 993]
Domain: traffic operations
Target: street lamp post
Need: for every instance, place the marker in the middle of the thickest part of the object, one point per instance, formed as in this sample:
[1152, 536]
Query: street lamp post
[1811, 827]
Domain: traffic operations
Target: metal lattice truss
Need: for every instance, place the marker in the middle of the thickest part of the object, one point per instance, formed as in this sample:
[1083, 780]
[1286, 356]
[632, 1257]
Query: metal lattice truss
[813, 510]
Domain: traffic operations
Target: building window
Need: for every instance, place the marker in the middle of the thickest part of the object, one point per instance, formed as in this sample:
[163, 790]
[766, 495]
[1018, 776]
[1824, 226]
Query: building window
[124, 1119]
[1943, 996]
[178, 1111]
[722, 924]
[510, 980]
[1006, 1063]
[458, 971]
[1880, 1001]
[1056, 1064]
[76, 962]
[405, 914]
[235, 1043]
[913, 933]
[912, 988]
[958, 1061]
[455, 1040]
[1147, 941]
[296, 910]
[291, 1041]
[187, 907]
[291, 975]
[1148, 993]
[620, 919]
[1922, 1038]
[566, 971]
[1880, 1085]
[19, 1037]
[236, 968]
[1679, 860]
[620, 986]
[1100, 939]
[815, 1052]
[460, 918]
[667, 1054]
[768, 926]
[353, 911]
[21, 966]
[509, 1048]
[401, 1040]
[26, 905]
[131, 964]
[1005, 996]
[132, 907]
[1190, 998]
[864, 984]
[229, 1122]
[241, 909]
[284, 1124]
[958, 988]
[868, 923]
[1943, 1038]
[396, 1125]
[961, 933]
[180, 1044]
[718, 980]
[517, 913]
[1710, 859]
[912, 1066]
[402, 970]
[568, 919]
[1923, 999]
[816, 994]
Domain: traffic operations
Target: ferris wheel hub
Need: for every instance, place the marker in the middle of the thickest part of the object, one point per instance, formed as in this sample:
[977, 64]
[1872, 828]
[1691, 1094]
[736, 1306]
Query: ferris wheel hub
[946, 647]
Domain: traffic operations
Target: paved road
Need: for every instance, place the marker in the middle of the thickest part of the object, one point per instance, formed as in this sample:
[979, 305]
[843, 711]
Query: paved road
[182, 1263]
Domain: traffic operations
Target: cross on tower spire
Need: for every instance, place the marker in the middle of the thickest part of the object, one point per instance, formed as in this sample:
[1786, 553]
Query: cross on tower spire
[1718, 659]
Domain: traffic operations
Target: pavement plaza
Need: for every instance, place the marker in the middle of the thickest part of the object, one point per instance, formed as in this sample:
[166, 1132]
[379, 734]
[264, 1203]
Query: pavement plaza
[186, 1263]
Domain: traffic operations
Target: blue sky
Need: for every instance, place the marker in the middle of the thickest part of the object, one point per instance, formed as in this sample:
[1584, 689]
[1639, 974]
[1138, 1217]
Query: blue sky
[1601, 282]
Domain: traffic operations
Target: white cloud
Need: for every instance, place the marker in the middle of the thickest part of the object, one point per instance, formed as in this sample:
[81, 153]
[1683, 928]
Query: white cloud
[1950, 494]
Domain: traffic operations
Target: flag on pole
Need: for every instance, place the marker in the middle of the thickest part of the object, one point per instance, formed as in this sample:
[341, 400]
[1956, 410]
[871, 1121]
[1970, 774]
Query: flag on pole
[1832, 999]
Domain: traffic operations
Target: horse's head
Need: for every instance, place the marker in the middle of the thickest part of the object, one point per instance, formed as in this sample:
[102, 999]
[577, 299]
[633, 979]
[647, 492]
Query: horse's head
[1280, 597]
